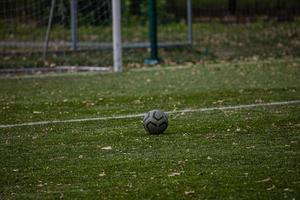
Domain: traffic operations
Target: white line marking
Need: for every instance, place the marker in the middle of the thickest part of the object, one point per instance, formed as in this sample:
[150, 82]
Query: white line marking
[142, 114]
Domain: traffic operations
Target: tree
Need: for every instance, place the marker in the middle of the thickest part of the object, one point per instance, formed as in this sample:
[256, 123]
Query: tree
[135, 7]
[232, 7]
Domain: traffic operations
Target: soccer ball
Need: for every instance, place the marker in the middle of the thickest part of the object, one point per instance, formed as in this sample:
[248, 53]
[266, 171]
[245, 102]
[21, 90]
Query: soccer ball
[155, 122]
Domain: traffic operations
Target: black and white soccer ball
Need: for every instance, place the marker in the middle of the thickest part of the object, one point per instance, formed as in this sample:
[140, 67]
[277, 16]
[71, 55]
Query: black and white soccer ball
[155, 122]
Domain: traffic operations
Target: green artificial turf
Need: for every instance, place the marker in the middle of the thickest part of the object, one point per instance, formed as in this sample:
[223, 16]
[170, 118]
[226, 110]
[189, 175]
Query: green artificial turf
[234, 154]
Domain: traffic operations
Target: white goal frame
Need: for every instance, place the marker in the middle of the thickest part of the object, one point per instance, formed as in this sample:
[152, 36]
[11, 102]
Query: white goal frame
[117, 35]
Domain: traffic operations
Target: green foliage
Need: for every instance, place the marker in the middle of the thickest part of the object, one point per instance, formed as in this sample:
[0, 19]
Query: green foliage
[242, 4]
[141, 17]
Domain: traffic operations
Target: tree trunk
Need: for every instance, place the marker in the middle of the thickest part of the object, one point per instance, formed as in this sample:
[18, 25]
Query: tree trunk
[232, 7]
[135, 7]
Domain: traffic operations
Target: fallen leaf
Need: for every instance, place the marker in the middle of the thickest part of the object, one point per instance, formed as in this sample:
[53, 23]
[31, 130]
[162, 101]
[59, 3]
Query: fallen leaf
[107, 148]
[174, 174]
[189, 192]
[102, 174]
[287, 190]
[271, 188]
[264, 180]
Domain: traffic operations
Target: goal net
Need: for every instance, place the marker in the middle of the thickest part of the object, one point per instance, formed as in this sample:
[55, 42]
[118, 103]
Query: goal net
[80, 32]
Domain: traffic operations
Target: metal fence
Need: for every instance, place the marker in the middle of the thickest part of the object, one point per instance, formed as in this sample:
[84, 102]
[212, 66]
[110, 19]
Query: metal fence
[77, 32]
[81, 31]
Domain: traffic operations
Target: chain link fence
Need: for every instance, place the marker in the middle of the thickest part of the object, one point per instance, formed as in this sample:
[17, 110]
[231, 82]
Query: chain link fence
[223, 29]
[80, 31]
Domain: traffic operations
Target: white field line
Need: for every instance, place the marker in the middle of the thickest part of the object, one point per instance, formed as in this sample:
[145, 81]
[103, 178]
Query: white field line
[282, 103]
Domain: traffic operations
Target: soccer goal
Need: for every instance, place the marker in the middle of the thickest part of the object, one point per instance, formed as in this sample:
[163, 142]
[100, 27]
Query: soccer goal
[85, 34]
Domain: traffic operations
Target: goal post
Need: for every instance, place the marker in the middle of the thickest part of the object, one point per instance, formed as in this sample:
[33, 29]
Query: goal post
[74, 22]
[117, 36]
[86, 33]
[116, 33]
[46, 43]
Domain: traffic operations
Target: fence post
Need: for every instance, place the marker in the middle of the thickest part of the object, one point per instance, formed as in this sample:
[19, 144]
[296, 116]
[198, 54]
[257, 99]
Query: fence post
[152, 15]
[46, 44]
[74, 36]
[190, 21]
[117, 36]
